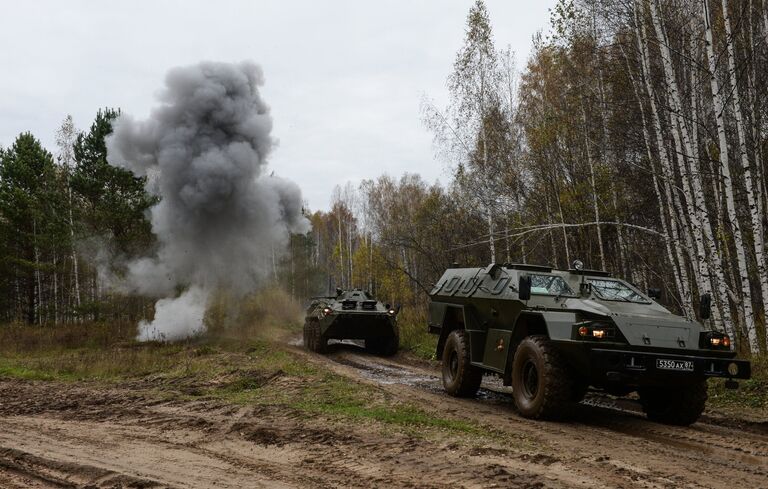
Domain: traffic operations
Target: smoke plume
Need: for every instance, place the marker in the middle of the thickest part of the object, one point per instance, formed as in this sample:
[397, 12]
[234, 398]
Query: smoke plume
[220, 218]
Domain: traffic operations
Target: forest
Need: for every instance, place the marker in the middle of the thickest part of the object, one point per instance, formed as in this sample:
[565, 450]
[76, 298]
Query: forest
[633, 138]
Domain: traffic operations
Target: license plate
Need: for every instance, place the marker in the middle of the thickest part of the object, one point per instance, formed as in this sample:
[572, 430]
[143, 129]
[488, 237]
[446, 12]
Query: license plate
[666, 364]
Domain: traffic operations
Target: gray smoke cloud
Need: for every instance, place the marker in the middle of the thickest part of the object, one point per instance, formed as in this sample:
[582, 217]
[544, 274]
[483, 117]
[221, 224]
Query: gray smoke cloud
[220, 218]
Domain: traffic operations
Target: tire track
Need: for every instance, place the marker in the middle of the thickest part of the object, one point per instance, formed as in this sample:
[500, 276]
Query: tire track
[608, 436]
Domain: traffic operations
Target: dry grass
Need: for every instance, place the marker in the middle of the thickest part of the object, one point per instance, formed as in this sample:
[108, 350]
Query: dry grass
[22, 338]
[266, 314]
[237, 361]
[752, 393]
[109, 350]
[413, 332]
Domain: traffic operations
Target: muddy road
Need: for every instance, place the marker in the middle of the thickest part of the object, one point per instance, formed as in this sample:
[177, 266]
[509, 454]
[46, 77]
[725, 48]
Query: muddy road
[77, 435]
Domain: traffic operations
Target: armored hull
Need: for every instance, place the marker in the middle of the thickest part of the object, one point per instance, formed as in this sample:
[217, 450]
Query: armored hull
[552, 334]
[351, 315]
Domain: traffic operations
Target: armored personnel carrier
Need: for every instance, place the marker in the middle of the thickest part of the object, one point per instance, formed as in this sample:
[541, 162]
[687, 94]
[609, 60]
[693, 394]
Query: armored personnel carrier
[551, 334]
[352, 315]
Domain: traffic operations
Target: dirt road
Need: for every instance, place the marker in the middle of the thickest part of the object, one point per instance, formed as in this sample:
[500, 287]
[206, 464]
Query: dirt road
[77, 435]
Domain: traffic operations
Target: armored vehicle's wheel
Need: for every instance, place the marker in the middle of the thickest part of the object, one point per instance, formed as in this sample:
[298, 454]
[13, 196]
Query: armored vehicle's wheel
[386, 346]
[679, 405]
[460, 377]
[314, 340]
[542, 387]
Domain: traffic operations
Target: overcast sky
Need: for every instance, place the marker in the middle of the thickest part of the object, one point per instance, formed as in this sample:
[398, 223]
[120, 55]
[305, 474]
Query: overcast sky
[344, 79]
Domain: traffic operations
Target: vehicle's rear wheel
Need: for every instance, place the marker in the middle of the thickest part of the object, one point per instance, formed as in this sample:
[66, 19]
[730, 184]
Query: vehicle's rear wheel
[314, 340]
[460, 377]
[542, 386]
[678, 405]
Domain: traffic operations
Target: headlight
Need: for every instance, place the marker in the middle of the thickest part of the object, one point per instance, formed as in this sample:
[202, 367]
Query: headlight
[714, 340]
[594, 331]
[391, 312]
[327, 311]
[599, 333]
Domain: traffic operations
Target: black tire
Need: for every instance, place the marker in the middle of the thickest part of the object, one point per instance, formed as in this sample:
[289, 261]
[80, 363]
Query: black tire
[542, 386]
[314, 340]
[460, 377]
[678, 405]
[387, 346]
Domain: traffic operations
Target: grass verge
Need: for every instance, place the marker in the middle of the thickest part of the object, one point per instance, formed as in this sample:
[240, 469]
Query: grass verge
[751, 394]
[232, 367]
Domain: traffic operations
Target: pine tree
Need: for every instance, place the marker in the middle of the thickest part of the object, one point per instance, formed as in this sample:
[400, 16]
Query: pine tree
[114, 200]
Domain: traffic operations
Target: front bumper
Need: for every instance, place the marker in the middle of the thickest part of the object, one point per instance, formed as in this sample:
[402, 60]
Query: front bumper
[627, 364]
[358, 326]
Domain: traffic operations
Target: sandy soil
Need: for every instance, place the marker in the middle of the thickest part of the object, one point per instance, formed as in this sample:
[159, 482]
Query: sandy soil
[57, 435]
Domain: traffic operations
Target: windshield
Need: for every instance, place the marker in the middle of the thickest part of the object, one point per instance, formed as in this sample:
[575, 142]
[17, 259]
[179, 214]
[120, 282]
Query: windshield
[550, 285]
[614, 290]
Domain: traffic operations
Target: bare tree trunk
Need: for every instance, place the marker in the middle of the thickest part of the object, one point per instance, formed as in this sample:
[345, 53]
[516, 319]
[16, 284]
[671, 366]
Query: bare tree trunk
[341, 252]
[674, 207]
[488, 206]
[549, 222]
[680, 273]
[752, 199]
[349, 255]
[756, 121]
[55, 291]
[75, 270]
[565, 234]
[595, 208]
[703, 228]
[506, 238]
[725, 171]
[520, 223]
[38, 282]
[624, 264]
[370, 261]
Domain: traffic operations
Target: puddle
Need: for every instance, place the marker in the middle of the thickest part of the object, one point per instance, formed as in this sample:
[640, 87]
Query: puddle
[388, 375]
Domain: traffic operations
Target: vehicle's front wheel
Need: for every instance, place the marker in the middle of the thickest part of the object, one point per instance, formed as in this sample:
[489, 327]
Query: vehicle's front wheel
[679, 405]
[314, 340]
[460, 377]
[542, 386]
[386, 346]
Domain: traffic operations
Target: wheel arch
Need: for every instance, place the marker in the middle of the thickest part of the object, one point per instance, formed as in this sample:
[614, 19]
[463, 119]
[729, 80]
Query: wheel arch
[453, 319]
[526, 324]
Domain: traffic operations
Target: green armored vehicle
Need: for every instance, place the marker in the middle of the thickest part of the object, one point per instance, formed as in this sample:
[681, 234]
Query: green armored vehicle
[551, 334]
[352, 315]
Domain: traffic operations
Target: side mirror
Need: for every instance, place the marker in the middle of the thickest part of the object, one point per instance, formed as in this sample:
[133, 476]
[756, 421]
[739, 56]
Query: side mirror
[654, 293]
[397, 308]
[524, 287]
[388, 305]
[705, 306]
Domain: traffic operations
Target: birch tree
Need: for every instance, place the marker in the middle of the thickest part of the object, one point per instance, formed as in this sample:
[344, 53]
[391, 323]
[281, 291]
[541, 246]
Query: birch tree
[725, 172]
[65, 140]
[751, 191]
[690, 171]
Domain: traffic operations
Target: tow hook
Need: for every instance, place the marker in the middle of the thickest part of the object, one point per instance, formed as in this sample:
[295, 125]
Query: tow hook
[731, 384]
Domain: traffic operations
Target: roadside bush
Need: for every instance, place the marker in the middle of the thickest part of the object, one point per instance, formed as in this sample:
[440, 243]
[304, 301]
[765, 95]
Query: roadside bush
[21, 337]
[752, 393]
[414, 336]
[266, 312]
